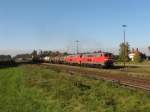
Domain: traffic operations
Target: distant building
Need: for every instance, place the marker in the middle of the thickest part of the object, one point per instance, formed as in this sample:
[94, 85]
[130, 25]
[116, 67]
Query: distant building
[131, 56]
[133, 53]
[23, 58]
[5, 58]
[148, 58]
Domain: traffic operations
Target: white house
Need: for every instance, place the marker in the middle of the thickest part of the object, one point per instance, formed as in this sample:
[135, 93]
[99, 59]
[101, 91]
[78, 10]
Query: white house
[131, 56]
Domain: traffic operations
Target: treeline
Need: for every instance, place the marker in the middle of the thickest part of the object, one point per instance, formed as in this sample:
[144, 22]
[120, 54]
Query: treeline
[23, 56]
[48, 53]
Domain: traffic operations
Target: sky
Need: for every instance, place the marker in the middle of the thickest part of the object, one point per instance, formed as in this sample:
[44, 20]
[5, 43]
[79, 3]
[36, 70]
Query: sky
[56, 24]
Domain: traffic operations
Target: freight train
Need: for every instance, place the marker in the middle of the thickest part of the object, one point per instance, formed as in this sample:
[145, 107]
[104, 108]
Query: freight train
[97, 59]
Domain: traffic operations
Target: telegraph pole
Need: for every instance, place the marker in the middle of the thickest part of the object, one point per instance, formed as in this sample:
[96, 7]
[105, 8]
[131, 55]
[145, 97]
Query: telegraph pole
[77, 46]
[124, 41]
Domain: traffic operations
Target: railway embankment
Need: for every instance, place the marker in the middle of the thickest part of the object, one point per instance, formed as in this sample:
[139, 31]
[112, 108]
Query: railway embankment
[122, 76]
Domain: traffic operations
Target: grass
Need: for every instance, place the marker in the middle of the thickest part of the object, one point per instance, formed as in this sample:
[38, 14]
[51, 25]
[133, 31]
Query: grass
[140, 70]
[30, 88]
[132, 62]
[134, 69]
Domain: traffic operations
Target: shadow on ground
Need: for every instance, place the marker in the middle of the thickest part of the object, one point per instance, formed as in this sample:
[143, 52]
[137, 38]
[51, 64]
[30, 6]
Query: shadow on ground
[121, 67]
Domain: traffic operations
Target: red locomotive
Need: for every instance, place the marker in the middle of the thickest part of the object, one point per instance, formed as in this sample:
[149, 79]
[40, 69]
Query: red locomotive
[100, 58]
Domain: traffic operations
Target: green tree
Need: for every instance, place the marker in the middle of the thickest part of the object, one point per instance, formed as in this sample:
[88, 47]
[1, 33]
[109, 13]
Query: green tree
[45, 53]
[137, 57]
[34, 53]
[65, 53]
[124, 51]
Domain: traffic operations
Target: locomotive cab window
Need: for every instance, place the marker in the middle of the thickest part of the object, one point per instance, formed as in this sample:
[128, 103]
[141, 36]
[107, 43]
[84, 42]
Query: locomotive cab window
[108, 55]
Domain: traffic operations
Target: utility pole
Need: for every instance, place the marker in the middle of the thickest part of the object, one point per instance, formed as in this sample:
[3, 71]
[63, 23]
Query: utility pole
[124, 41]
[77, 46]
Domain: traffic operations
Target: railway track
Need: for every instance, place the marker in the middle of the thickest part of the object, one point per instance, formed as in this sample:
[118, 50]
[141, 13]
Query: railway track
[121, 79]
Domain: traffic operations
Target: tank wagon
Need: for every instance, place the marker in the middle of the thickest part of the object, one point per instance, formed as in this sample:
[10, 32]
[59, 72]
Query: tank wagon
[57, 60]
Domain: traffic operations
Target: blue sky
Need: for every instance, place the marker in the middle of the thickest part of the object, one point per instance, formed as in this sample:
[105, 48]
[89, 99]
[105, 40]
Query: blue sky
[56, 24]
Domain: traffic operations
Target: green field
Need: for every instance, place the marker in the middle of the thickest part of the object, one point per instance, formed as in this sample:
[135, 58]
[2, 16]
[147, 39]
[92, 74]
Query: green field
[139, 69]
[32, 88]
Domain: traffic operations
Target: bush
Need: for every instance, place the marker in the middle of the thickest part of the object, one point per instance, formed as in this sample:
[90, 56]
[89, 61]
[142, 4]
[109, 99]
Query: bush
[137, 57]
